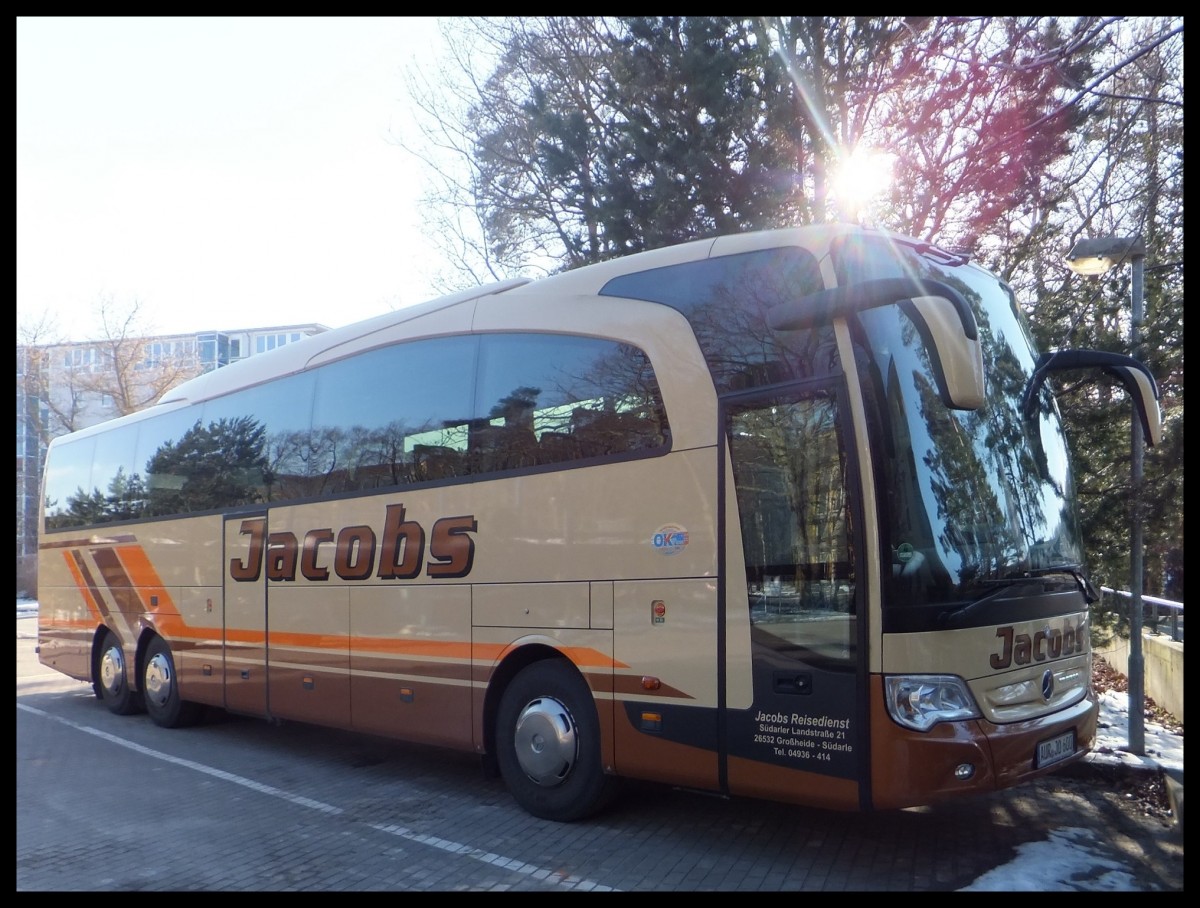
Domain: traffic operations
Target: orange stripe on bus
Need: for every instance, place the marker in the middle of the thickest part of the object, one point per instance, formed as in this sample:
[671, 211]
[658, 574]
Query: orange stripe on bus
[144, 577]
[84, 588]
[587, 657]
[145, 580]
[234, 635]
[397, 646]
[443, 649]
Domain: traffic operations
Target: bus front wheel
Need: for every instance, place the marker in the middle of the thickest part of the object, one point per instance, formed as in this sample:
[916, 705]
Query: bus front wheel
[548, 743]
[160, 689]
[111, 678]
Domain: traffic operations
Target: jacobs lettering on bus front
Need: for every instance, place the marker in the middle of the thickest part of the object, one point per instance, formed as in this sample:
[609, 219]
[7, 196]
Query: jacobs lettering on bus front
[357, 552]
[1048, 643]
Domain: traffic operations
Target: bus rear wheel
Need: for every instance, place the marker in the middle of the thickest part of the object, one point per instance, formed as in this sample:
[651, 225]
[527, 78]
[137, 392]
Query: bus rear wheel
[548, 744]
[160, 689]
[111, 678]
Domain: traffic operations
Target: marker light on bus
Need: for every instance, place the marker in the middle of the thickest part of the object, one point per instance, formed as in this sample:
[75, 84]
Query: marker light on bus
[921, 701]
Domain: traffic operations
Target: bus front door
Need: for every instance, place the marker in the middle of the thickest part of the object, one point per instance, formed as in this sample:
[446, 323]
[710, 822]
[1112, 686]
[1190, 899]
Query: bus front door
[803, 736]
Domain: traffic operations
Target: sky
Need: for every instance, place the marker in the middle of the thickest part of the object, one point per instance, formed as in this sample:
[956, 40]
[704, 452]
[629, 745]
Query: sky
[221, 173]
[1066, 861]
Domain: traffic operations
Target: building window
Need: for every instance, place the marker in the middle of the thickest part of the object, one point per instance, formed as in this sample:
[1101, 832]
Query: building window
[81, 358]
[212, 350]
[264, 343]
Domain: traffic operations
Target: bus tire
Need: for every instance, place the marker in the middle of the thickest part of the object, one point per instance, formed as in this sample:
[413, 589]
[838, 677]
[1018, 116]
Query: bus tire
[112, 678]
[160, 689]
[548, 743]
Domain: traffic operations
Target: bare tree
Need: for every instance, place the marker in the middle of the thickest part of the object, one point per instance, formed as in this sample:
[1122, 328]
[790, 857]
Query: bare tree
[123, 370]
[579, 138]
[135, 373]
[35, 340]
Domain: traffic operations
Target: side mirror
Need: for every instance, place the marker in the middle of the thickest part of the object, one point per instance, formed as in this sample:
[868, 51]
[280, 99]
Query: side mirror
[1134, 374]
[940, 313]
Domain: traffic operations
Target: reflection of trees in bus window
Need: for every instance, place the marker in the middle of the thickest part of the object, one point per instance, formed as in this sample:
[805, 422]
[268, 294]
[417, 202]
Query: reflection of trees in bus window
[281, 409]
[505, 439]
[969, 495]
[389, 417]
[122, 499]
[556, 398]
[111, 468]
[68, 474]
[93, 480]
[376, 415]
[790, 476]
[220, 465]
[207, 467]
[726, 301]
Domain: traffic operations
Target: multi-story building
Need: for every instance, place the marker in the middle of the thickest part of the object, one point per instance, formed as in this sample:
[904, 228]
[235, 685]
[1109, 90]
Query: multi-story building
[70, 386]
[31, 412]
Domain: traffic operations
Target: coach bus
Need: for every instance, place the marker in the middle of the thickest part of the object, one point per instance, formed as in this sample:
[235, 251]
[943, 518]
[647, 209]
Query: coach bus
[784, 515]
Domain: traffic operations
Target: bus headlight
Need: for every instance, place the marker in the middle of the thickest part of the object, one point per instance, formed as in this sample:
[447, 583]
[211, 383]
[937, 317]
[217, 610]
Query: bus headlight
[921, 701]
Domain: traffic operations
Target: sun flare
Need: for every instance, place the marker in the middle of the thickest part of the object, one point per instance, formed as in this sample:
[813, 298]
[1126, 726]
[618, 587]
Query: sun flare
[861, 179]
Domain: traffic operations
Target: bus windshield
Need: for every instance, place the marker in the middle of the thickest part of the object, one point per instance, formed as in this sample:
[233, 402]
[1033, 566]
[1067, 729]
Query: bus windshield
[970, 499]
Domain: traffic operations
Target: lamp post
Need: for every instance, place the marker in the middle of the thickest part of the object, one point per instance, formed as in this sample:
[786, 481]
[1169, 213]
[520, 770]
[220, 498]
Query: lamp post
[1095, 257]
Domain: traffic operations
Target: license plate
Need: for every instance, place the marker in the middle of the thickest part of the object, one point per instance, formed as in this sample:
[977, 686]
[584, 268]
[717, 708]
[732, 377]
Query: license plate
[1055, 750]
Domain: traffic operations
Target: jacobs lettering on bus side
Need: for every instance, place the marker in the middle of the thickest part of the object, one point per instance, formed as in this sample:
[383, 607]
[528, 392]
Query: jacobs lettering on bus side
[1048, 643]
[352, 551]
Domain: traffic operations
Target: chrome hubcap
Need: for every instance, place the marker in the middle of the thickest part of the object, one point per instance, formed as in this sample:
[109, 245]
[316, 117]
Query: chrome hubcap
[112, 670]
[158, 680]
[545, 741]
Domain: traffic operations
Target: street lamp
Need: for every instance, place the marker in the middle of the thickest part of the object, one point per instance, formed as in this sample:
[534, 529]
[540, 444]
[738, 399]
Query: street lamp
[1095, 257]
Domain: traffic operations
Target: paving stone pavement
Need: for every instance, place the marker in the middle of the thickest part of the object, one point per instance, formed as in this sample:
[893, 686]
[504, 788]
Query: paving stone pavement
[109, 803]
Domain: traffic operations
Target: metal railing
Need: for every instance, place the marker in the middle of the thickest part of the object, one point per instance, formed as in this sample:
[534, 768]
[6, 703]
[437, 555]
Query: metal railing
[1152, 621]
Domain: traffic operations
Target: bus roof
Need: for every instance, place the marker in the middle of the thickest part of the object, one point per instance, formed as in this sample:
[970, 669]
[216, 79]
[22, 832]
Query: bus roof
[585, 281]
[296, 356]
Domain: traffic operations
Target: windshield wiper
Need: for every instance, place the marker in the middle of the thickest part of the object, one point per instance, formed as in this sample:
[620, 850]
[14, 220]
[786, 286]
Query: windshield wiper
[999, 587]
[1085, 585]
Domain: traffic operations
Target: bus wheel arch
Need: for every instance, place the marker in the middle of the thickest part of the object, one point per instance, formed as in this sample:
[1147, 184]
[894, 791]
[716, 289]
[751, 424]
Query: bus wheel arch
[111, 673]
[546, 740]
[160, 686]
[510, 666]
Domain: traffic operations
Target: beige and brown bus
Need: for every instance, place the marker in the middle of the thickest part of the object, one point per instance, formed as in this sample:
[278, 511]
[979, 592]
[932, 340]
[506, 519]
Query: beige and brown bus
[785, 515]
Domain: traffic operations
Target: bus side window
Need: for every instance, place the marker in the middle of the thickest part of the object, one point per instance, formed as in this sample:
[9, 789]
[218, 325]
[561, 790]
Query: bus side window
[436, 462]
[558, 447]
[601, 432]
[593, 432]
[506, 447]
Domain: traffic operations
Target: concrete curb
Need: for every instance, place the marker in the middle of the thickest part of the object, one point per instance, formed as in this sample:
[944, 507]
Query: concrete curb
[1110, 772]
[1174, 782]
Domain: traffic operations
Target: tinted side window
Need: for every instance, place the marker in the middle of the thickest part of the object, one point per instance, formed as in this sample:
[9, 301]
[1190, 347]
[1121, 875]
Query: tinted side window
[69, 501]
[725, 299]
[410, 413]
[452, 407]
[392, 416]
[547, 399]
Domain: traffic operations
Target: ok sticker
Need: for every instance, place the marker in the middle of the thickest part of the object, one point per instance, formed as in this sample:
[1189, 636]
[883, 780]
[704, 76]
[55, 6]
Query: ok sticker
[670, 539]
